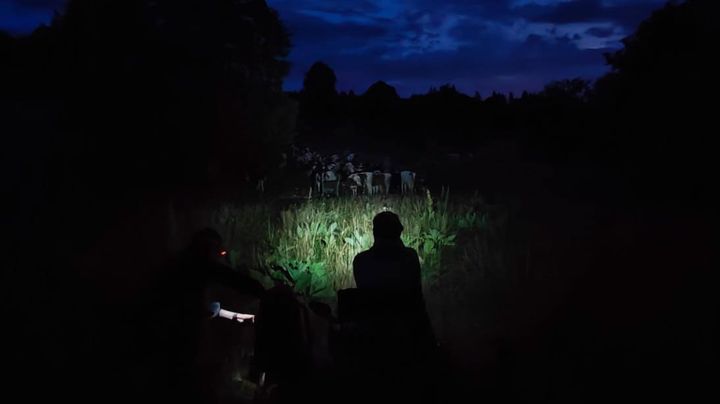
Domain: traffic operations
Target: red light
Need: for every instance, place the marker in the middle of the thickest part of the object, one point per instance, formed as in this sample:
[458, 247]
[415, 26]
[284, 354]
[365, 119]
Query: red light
[223, 253]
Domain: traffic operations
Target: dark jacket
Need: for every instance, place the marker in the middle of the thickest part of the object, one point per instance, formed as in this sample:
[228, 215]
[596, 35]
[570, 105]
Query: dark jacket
[389, 299]
[388, 266]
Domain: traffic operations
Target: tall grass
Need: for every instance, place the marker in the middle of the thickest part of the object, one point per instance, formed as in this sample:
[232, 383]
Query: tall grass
[312, 245]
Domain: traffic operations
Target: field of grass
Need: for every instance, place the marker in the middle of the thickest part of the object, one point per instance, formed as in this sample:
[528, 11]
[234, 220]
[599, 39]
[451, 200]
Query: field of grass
[311, 244]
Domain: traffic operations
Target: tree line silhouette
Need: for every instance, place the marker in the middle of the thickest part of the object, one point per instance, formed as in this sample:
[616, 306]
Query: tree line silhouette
[443, 114]
[170, 93]
[646, 121]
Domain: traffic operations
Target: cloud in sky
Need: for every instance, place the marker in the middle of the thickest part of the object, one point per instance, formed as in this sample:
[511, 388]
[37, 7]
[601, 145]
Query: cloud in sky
[503, 45]
[480, 45]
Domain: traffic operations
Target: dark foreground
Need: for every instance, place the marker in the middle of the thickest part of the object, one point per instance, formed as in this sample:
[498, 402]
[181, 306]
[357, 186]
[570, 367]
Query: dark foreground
[630, 313]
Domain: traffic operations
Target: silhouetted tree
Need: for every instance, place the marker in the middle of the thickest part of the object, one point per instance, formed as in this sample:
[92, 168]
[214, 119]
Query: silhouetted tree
[379, 110]
[381, 92]
[656, 98]
[105, 112]
[157, 93]
[319, 96]
[119, 99]
[319, 82]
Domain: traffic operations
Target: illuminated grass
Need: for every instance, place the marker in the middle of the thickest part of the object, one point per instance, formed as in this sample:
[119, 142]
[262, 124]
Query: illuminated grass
[315, 242]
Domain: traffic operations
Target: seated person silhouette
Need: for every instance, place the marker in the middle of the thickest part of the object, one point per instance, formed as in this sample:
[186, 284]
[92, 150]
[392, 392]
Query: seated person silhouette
[388, 302]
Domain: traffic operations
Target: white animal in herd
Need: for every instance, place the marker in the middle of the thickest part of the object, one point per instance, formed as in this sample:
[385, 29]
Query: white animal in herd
[330, 183]
[380, 183]
[407, 182]
[355, 181]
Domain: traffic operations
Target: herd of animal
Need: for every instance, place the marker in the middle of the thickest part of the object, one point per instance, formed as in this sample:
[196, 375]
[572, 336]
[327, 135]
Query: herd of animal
[333, 176]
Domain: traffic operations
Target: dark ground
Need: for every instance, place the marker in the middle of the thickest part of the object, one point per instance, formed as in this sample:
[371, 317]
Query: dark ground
[617, 297]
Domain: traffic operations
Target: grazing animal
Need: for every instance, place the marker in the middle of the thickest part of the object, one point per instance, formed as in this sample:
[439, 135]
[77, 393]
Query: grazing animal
[407, 182]
[348, 168]
[368, 177]
[316, 178]
[388, 178]
[380, 182]
[330, 183]
[329, 175]
[355, 182]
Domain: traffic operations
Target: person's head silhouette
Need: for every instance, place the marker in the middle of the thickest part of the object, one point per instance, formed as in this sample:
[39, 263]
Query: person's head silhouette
[387, 226]
[206, 245]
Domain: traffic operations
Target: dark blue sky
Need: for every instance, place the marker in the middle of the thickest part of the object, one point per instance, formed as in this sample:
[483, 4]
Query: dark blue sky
[479, 45]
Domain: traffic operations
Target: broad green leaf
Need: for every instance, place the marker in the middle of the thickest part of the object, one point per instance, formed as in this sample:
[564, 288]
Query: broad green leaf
[303, 282]
[278, 276]
[317, 268]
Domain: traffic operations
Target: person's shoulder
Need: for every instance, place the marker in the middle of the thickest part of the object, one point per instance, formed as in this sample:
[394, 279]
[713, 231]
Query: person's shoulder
[410, 251]
[364, 259]
[362, 256]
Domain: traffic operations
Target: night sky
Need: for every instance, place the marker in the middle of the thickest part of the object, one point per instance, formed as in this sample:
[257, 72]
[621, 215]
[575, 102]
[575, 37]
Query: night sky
[478, 45]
